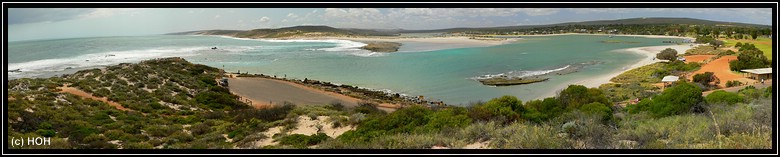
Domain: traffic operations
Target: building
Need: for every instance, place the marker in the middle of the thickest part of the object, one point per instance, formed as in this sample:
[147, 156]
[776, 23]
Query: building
[759, 74]
[668, 80]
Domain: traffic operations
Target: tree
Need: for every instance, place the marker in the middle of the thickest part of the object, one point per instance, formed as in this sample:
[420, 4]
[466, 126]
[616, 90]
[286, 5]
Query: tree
[754, 34]
[739, 44]
[667, 54]
[716, 43]
[704, 78]
[749, 59]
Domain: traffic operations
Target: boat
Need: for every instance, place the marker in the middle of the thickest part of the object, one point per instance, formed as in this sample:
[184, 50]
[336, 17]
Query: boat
[15, 70]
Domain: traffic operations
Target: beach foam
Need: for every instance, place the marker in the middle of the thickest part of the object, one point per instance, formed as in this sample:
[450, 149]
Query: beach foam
[347, 46]
[38, 67]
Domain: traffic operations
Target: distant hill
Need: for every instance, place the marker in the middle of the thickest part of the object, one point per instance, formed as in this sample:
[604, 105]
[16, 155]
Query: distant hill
[320, 31]
[208, 32]
[289, 32]
[632, 21]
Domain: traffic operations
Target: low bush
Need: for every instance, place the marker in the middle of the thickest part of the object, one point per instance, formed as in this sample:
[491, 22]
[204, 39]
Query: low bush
[504, 109]
[733, 83]
[721, 96]
[301, 141]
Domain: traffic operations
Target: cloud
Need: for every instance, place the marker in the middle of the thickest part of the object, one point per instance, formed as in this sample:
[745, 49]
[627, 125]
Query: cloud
[356, 17]
[34, 15]
[265, 19]
[217, 16]
[107, 12]
[292, 15]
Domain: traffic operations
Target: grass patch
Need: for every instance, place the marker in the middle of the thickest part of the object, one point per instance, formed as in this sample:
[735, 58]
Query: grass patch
[763, 44]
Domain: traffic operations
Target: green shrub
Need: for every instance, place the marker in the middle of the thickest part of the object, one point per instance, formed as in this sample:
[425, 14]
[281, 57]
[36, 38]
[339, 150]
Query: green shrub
[268, 114]
[733, 83]
[219, 98]
[675, 100]
[542, 110]
[597, 109]
[368, 108]
[575, 96]
[301, 141]
[721, 96]
[504, 109]
[704, 78]
[667, 54]
[449, 118]
[46, 133]
[768, 92]
[750, 92]
[138, 145]
[116, 135]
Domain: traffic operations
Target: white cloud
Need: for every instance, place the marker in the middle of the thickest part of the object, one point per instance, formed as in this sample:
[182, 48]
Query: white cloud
[106, 12]
[217, 16]
[265, 19]
[292, 15]
[285, 20]
[357, 18]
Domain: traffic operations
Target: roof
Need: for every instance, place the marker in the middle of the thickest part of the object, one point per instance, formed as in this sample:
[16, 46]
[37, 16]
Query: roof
[670, 78]
[758, 71]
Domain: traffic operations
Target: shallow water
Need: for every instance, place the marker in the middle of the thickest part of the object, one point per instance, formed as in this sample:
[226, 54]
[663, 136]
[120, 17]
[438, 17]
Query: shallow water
[445, 74]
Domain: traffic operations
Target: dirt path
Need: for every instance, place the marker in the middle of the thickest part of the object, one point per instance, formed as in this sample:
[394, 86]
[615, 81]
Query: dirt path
[697, 58]
[271, 92]
[78, 92]
[720, 67]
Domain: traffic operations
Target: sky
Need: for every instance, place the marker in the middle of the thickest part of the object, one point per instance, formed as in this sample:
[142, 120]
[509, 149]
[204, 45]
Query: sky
[54, 23]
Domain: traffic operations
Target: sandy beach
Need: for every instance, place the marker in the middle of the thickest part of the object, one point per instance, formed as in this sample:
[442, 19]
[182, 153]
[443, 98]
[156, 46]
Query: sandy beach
[274, 92]
[649, 53]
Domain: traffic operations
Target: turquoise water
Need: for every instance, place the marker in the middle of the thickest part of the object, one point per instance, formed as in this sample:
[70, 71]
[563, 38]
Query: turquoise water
[445, 74]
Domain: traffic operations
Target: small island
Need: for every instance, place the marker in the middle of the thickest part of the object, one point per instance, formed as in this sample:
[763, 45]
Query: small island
[381, 46]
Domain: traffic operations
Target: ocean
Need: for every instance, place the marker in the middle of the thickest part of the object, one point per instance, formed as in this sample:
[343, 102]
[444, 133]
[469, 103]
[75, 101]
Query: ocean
[444, 74]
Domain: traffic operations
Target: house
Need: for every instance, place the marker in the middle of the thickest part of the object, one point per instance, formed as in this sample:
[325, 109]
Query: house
[759, 74]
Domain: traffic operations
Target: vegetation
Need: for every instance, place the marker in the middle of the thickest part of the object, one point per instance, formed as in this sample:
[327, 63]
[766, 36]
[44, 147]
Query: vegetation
[721, 96]
[749, 58]
[762, 43]
[302, 141]
[733, 83]
[704, 79]
[667, 54]
[578, 118]
[678, 99]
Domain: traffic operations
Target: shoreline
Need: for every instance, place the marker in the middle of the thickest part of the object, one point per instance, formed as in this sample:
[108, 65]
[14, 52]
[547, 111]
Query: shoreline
[648, 52]
[626, 35]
